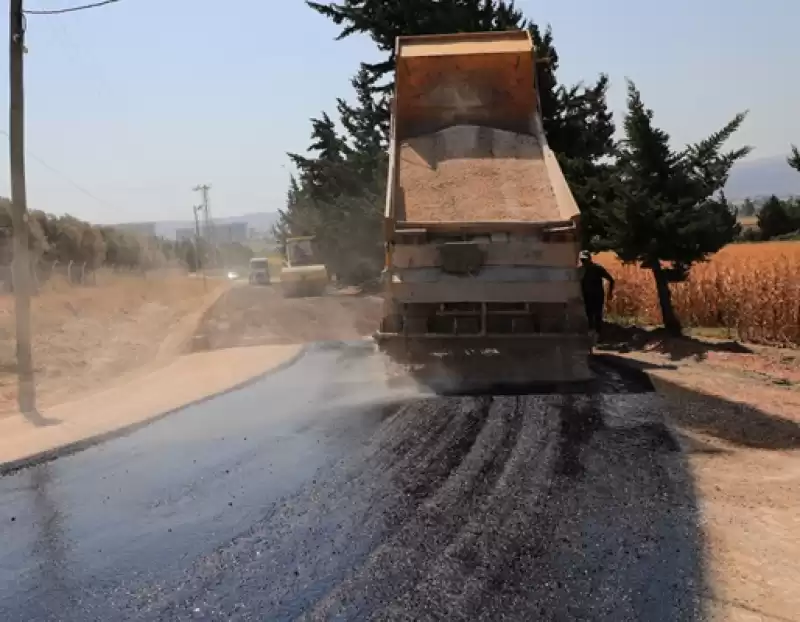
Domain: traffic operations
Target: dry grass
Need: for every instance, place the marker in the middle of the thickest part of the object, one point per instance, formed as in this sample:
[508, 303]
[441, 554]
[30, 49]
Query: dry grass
[85, 336]
[752, 291]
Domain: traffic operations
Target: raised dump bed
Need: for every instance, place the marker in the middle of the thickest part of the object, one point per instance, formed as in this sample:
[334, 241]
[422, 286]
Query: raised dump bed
[482, 231]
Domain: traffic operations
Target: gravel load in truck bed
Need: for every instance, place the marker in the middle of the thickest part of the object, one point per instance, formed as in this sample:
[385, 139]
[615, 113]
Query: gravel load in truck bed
[468, 173]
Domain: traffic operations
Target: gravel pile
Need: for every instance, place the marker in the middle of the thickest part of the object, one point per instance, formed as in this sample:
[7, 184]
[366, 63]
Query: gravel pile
[468, 173]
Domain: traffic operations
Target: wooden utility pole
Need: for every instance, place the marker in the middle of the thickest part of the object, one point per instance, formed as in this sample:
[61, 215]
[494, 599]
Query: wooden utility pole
[21, 269]
[197, 260]
[208, 223]
[196, 209]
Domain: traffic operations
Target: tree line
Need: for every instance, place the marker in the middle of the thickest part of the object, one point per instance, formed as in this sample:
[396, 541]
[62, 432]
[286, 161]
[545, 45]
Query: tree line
[651, 204]
[66, 239]
[776, 218]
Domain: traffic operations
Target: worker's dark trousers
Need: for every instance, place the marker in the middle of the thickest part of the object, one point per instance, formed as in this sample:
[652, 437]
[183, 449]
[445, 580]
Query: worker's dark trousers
[594, 313]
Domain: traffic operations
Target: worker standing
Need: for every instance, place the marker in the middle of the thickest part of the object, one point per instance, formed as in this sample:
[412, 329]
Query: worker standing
[592, 277]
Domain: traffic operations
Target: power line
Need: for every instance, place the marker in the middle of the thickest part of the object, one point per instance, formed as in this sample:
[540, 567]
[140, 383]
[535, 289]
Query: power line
[72, 9]
[95, 70]
[63, 175]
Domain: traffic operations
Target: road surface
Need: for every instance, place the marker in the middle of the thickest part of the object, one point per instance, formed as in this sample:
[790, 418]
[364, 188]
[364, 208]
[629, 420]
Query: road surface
[318, 493]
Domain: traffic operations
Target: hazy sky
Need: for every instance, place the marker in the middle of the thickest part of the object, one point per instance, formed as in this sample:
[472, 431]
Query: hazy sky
[139, 101]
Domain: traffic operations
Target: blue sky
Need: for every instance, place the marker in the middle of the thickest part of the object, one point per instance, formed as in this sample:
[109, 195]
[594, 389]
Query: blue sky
[139, 101]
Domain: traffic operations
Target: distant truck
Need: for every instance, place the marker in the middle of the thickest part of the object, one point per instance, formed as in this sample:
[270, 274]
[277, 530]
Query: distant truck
[259, 271]
[481, 229]
[303, 273]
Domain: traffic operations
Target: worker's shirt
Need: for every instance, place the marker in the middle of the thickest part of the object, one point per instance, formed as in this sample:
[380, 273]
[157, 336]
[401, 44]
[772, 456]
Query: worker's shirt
[592, 276]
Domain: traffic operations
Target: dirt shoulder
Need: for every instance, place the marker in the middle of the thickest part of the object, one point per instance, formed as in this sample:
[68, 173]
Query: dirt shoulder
[263, 316]
[86, 338]
[80, 423]
[114, 357]
[737, 409]
[108, 358]
[761, 377]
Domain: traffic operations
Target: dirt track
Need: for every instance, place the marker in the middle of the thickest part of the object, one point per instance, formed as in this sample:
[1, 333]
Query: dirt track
[248, 315]
[85, 338]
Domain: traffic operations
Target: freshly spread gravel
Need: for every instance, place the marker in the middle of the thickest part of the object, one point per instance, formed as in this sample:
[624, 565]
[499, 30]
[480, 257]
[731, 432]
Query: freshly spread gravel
[468, 173]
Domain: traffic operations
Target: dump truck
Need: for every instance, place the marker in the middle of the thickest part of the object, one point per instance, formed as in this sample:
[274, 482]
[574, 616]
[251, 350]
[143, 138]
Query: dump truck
[302, 273]
[259, 271]
[481, 229]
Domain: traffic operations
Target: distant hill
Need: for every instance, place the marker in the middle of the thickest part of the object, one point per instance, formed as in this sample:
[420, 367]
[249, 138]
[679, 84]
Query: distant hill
[749, 179]
[762, 178]
[260, 221]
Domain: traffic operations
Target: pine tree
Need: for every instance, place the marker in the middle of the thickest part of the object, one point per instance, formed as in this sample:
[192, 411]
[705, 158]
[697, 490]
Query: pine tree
[794, 159]
[324, 174]
[367, 127]
[339, 191]
[576, 120]
[670, 212]
[297, 218]
[342, 178]
[383, 21]
[774, 219]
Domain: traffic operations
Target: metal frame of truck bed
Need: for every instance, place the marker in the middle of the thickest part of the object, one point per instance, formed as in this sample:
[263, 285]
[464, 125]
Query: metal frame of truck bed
[523, 294]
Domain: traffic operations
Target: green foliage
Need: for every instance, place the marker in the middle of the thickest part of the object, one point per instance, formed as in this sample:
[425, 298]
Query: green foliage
[188, 252]
[66, 239]
[794, 159]
[778, 218]
[669, 211]
[366, 125]
[338, 194]
[641, 199]
[383, 21]
[576, 119]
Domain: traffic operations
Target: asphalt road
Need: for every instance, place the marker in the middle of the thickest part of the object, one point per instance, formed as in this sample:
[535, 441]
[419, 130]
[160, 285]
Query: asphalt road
[318, 493]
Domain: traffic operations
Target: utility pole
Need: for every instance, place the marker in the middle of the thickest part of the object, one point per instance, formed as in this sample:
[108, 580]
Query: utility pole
[196, 209]
[21, 268]
[197, 259]
[208, 224]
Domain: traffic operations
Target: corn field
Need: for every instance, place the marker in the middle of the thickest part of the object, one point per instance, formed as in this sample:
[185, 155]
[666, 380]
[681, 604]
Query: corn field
[750, 290]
